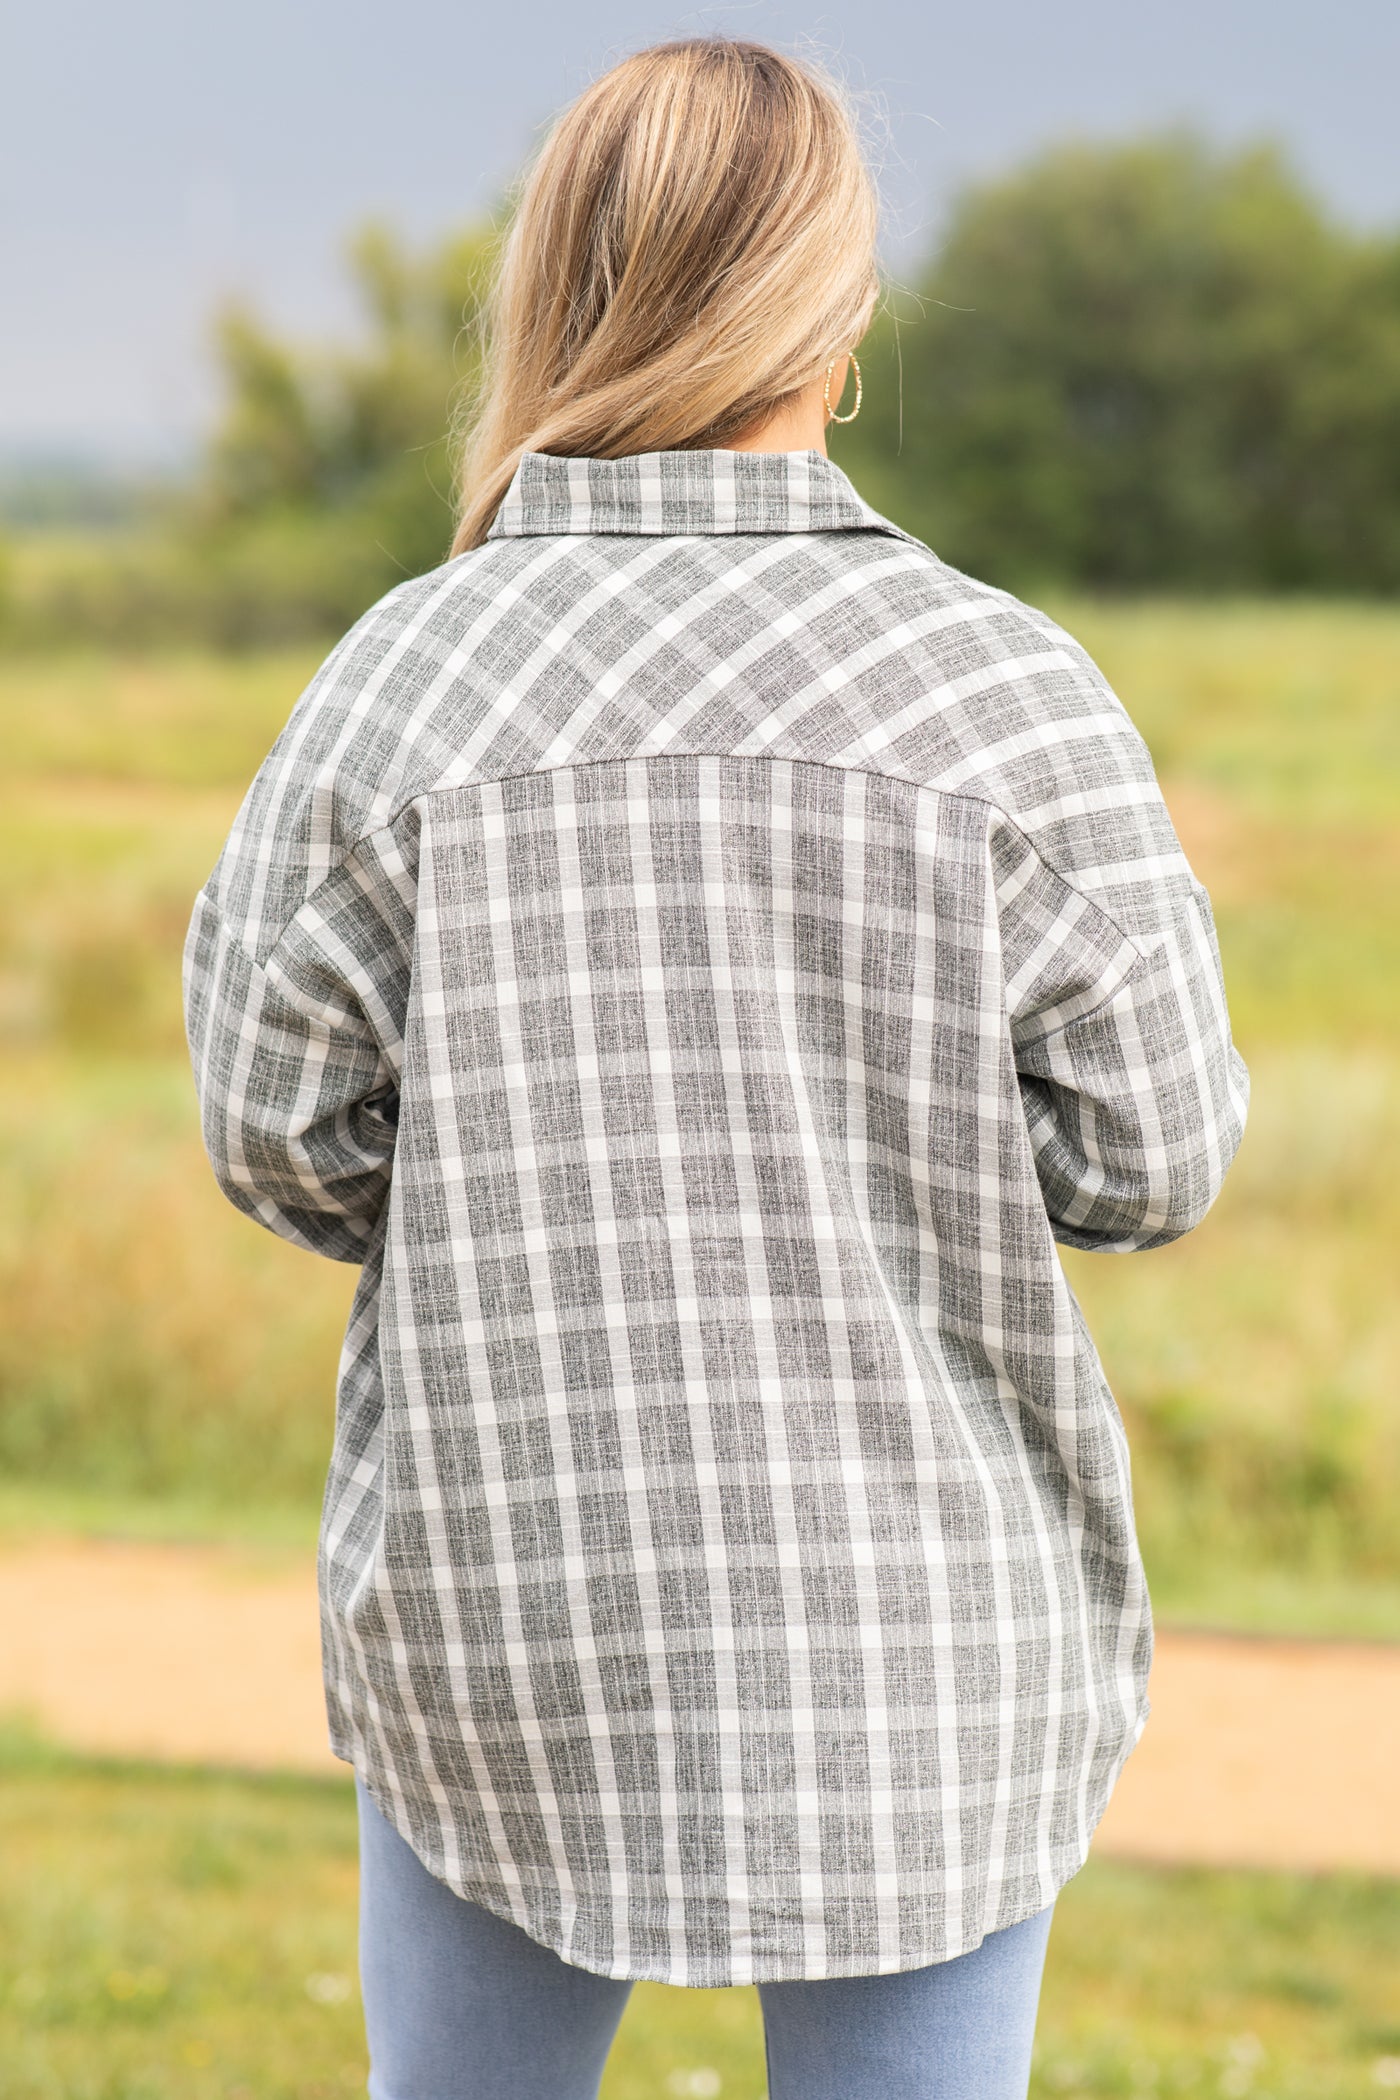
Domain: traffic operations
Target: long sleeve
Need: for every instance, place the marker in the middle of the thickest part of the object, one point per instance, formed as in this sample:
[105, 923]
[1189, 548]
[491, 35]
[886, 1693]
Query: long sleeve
[1134, 1094]
[295, 1069]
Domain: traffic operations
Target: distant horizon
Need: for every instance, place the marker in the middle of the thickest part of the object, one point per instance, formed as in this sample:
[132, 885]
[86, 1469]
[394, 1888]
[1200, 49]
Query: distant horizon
[233, 155]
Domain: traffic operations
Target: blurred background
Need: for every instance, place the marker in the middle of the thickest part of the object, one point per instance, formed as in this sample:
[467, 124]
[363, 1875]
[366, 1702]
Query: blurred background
[1139, 362]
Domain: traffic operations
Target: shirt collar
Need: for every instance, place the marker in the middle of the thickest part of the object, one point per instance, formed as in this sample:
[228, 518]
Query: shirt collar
[682, 493]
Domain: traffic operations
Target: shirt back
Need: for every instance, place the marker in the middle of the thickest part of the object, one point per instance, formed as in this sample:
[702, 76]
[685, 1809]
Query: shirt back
[698, 953]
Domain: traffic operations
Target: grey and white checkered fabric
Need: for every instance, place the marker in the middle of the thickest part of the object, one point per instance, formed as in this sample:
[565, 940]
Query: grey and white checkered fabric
[699, 952]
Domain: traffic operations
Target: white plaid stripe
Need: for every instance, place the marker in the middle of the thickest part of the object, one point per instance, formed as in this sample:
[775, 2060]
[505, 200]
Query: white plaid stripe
[697, 953]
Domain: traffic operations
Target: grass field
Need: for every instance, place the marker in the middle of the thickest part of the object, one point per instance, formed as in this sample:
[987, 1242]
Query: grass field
[166, 1366]
[187, 1936]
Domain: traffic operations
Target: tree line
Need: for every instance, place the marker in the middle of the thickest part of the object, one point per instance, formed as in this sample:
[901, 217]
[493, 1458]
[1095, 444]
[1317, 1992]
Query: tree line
[1153, 366]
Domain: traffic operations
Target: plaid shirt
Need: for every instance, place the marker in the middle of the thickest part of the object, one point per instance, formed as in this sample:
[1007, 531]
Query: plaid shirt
[698, 952]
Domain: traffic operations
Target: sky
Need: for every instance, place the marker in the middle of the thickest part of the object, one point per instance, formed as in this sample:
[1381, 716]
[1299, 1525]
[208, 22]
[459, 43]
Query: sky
[160, 156]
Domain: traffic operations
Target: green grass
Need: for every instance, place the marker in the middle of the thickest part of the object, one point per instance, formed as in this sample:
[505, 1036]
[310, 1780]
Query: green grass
[1275, 729]
[166, 1367]
[183, 1935]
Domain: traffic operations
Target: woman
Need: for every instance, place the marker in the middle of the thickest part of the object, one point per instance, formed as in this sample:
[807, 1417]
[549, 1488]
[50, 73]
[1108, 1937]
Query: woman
[698, 952]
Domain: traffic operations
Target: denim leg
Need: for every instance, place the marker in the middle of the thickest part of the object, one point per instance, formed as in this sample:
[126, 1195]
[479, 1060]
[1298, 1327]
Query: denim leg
[959, 2030]
[461, 2004]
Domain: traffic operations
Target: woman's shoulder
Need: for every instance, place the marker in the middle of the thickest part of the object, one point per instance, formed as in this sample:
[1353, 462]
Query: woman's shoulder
[983, 691]
[990, 698]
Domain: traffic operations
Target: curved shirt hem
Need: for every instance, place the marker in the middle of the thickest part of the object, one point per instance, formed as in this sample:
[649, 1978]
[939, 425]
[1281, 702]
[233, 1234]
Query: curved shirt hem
[739, 1975]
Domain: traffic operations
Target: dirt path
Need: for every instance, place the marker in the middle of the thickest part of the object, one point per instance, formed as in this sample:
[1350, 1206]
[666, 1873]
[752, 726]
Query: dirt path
[1259, 1752]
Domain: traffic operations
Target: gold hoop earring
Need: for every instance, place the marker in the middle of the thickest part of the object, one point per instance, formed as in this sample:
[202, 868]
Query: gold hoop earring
[826, 390]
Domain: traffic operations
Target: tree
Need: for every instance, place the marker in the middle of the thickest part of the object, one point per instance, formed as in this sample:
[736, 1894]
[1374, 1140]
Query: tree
[1141, 366]
[329, 477]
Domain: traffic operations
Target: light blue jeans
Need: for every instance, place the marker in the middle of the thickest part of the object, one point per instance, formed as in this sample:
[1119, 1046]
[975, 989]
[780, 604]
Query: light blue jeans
[462, 2005]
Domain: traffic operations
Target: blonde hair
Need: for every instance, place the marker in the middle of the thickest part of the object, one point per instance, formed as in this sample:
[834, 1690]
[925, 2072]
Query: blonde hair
[693, 244]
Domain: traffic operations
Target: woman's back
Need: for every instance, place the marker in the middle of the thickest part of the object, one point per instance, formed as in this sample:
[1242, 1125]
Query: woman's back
[698, 951]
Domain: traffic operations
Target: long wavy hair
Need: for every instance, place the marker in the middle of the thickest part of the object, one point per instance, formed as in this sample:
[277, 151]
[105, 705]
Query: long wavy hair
[693, 243]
